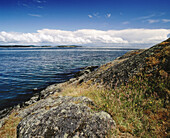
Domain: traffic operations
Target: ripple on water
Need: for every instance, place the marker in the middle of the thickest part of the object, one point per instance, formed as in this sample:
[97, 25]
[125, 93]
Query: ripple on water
[23, 69]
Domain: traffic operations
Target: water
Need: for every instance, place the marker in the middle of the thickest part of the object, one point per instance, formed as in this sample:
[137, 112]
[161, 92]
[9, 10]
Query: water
[24, 69]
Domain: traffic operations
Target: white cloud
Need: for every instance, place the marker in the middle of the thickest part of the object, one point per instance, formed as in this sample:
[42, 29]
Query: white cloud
[25, 5]
[126, 22]
[166, 20]
[148, 18]
[108, 15]
[90, 37]
[152, 21]
[145, 17]
[40, 7]
[39, 1]
[96, 14]
[90, 16]
[35, 15]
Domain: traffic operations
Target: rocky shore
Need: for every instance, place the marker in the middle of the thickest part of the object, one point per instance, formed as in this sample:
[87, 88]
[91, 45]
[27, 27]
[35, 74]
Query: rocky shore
[45, 93]
[74, 115]
[62, 110]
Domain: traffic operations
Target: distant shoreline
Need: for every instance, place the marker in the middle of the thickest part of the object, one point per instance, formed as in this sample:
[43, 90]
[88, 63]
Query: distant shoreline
[19, 46]
[64, 46]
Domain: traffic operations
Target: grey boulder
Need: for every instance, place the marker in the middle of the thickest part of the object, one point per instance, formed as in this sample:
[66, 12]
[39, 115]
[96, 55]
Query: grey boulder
[67, 117]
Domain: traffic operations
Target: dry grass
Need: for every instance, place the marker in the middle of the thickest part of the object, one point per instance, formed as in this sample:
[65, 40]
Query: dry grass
[133, 112]
[92, 92]
[165, 43]
[141, 107]
[9, 129]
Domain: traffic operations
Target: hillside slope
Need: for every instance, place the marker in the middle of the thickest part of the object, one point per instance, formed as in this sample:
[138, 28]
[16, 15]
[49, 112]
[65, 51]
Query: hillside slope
[120, 70]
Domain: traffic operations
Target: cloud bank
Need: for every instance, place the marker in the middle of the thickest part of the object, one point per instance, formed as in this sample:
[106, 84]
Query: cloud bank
[88, 37]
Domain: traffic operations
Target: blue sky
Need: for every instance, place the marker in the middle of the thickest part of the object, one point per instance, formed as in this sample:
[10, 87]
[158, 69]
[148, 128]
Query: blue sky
[29, 16]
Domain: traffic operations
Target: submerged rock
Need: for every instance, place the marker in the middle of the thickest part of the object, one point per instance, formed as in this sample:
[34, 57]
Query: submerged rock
[64, 116]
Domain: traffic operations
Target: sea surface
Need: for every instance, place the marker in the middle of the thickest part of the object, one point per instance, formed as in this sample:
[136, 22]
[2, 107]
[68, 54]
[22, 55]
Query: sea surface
[24, 70]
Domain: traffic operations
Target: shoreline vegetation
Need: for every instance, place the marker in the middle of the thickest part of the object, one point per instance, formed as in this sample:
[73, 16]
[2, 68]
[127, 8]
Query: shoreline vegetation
[127, 97]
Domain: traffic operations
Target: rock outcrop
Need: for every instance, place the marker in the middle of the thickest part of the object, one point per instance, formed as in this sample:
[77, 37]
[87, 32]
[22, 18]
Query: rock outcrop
[64, 117]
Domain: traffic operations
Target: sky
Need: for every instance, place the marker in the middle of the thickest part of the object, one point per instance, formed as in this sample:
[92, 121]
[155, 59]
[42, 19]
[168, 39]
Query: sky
[128, 23]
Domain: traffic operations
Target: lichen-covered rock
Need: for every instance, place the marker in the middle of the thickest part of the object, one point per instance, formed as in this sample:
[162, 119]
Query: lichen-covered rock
[64, 117]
